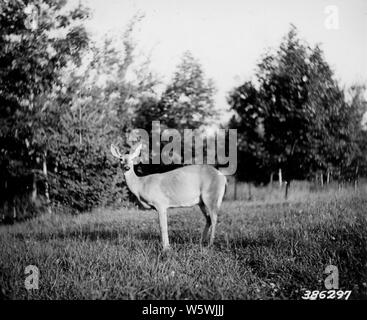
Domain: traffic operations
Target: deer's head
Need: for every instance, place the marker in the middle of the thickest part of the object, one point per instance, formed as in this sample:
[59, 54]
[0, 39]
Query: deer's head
[127, 160]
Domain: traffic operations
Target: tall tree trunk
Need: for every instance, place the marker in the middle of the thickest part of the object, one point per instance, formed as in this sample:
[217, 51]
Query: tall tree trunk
[80, 125]
[47, 192]
[328, 176]
[6, 202]
[280, 178]
[34, 188]
[356, 178]
[321, 179]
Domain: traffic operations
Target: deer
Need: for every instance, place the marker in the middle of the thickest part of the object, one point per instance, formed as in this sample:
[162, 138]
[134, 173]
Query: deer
[187, 186]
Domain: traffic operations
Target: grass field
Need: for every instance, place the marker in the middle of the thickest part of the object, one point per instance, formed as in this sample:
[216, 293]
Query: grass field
[273, 250]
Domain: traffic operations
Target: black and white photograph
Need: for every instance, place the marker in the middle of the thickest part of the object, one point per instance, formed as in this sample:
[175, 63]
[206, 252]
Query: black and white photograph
[183, 154]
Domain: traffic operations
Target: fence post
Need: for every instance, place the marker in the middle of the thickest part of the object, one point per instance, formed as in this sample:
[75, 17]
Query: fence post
[287, 185]
[14, 210]
[235, 189]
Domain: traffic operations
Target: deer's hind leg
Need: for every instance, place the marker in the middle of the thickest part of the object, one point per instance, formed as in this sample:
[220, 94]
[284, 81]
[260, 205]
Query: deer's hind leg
[208, 223]
[211, 222]
[212, 199]
[213, 217]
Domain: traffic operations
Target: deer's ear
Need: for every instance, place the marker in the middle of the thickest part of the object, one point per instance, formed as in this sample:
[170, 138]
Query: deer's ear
[137, 150]
[115, 151]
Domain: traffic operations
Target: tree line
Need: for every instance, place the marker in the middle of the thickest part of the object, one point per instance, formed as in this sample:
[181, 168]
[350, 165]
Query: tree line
[65, 98]
[294, 118]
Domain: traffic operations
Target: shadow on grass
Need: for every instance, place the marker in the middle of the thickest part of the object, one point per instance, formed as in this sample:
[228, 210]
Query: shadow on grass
[175, 236]
[94, 233]
[82, 234]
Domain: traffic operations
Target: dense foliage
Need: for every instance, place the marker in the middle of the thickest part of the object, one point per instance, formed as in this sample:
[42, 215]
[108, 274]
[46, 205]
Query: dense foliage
[37, 40]
[295, 117]
[64, 99]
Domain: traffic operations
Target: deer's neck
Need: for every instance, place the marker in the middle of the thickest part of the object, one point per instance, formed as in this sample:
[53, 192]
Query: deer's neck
[132, 181]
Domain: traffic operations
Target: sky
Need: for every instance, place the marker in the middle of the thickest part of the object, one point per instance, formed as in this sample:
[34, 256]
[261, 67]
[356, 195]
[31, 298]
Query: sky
[229, 36]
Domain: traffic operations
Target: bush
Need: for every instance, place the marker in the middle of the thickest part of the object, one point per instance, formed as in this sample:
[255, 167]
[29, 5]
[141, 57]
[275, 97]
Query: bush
[85, 178]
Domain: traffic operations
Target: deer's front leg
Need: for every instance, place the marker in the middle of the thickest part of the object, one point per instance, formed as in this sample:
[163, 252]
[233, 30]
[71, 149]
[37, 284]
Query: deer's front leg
[162, 215]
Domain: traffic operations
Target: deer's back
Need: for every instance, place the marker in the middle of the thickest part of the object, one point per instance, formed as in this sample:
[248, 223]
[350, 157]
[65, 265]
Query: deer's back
[184, 186]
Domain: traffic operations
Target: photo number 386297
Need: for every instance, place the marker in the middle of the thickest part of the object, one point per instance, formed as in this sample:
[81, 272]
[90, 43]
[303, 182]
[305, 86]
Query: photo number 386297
[326, 294]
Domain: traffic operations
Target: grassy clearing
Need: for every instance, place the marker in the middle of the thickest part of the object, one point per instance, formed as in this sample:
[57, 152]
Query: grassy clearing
[262, 251]
[299, 191]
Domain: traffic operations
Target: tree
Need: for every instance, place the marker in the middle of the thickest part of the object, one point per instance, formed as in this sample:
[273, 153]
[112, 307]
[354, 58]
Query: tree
[187, 101]
[354, 153]
[37, 40]
[99, 103]
[294, 116]
[250, 144]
